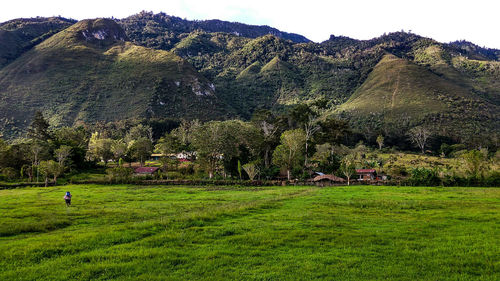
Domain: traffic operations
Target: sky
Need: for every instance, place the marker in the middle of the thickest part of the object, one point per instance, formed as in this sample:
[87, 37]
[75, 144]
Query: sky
[477, 21]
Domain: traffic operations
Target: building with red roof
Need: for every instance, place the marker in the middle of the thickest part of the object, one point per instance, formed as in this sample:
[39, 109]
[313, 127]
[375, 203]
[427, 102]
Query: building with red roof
[366, 174]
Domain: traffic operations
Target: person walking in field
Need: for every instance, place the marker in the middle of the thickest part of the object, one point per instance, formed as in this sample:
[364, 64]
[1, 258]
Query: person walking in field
[67, 198]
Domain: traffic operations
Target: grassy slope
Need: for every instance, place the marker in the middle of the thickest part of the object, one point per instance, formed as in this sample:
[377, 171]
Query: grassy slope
[288, 233]
[397, 89]
[74, 80]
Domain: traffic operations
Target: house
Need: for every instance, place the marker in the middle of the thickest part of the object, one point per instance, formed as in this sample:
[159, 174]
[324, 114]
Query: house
[157, 156]
[146, 170]
[366, 174]
[180, 156]
[324, 180]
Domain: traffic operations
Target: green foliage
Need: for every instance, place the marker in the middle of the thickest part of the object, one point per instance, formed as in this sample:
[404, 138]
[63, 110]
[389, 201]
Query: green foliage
[289, 154]
[475, 163]
[9, 173]
[118, 174]
[421, 176]
[348, 167]
[251, 169]
[141, 149]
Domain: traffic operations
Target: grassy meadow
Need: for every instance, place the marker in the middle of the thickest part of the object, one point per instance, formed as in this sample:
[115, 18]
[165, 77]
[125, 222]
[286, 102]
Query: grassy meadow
[127, 232]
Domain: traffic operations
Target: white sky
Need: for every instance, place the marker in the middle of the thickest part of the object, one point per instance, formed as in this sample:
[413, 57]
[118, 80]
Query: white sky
[477, 21]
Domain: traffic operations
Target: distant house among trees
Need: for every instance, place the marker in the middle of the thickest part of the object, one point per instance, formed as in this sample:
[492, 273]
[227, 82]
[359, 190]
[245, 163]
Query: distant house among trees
[146, 170]
[366, 174]
[325, 180]
[181, 156]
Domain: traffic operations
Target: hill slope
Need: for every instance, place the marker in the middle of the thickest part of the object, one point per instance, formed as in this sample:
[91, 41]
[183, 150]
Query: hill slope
[399, 94]
[88, 72]
[19, 35]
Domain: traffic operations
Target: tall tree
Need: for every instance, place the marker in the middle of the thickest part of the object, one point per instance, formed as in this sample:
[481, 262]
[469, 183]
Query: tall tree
[141, 149]
[348, 168]
[419, 136]
[288, 154]
[271, 127]
[380, 141]
[475, 162]
[62, 154]
[39, 128]
[100, 148]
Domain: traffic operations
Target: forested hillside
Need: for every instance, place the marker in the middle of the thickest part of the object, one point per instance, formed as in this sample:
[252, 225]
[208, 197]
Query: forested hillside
[167, 67]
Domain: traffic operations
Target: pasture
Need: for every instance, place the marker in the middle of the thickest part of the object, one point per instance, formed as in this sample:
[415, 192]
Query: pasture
[128, 232]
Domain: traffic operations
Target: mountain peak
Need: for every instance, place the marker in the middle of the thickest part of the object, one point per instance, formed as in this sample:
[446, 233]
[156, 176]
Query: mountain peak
[101, 31]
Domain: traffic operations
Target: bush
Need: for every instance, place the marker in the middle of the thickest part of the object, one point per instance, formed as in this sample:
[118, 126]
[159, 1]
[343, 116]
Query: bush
[9, 173]
[424, 177]
[119, 173]
[186, 168]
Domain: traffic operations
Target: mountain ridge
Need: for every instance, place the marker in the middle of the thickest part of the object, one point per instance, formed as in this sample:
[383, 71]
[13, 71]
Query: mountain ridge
[183, 72]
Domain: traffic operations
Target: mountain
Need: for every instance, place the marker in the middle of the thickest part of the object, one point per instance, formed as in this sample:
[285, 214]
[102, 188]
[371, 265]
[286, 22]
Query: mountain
[90, 72]
[19, 35]
[400, 94]
[164, 31]
[155, 65]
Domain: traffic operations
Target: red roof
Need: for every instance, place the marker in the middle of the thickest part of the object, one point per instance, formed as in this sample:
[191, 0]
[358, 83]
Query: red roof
[146, 170]
[365, 171]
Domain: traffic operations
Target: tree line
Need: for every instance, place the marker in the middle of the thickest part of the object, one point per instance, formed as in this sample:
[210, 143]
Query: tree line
[270, 145]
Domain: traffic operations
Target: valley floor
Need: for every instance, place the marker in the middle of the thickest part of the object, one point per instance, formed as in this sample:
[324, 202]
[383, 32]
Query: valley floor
[129, 232]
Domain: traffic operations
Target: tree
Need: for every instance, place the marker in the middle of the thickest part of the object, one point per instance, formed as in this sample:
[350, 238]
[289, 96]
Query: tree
[475, 162]
[141, 149]
[77, 139]
[347, 167]
[62, 154]
[50, 168]
[139, 131]
[270, 127]
[39, 128]
[288, 154]
[419, 136]
[9, 172]
[35, 149]
[310, 128]
[185, 132]
[251, 169]
[326, 158]
[167, 162]
[307, 117]
[380, 141]
[100, 148]
[168, 144]
[119, 149]
[222, 142]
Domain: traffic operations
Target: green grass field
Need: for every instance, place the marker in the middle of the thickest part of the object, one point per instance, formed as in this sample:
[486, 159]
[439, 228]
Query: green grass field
[273, 233]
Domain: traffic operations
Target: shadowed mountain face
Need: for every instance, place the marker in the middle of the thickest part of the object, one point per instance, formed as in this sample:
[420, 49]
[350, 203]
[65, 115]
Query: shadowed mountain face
[19, 35]
[173, 68]
[88, 72]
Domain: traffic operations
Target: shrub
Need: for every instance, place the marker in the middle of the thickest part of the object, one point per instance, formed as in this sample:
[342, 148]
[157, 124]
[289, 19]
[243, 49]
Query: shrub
[186, 168]
[9, 173]
[424, 177]
[119, 173]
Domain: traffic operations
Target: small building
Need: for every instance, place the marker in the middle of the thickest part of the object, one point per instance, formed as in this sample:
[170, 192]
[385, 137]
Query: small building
[157, 156]
[366, 174]
[146, 170]
[324, 180]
